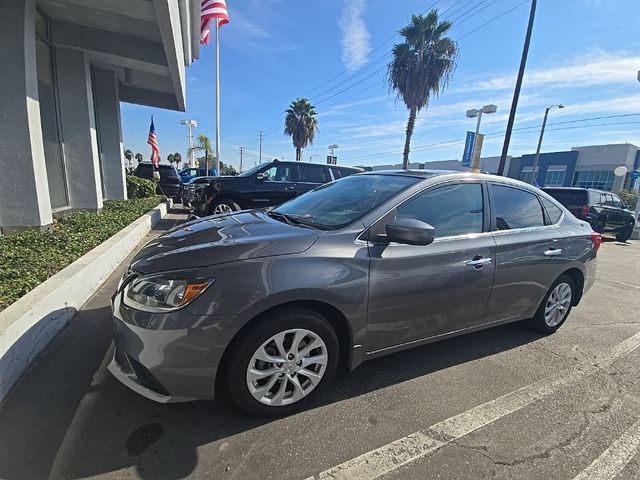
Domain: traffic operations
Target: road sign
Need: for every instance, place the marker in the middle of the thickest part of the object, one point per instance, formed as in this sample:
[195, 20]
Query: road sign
[332, 160]
[468, 149]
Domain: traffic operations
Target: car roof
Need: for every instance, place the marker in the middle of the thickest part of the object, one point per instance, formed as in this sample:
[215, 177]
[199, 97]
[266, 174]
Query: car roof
[287, 162]
[161, 165]
[412, 173]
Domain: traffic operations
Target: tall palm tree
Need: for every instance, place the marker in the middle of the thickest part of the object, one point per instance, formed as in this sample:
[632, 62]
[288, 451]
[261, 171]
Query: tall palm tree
[203, 144]
[422, 65]
[301, 124]
[177, 158]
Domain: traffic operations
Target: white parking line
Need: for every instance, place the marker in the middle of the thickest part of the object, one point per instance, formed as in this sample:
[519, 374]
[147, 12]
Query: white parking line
[387, 458]
[614, 458]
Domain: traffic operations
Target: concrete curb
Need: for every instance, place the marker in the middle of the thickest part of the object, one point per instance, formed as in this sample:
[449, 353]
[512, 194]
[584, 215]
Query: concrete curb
[30, 323]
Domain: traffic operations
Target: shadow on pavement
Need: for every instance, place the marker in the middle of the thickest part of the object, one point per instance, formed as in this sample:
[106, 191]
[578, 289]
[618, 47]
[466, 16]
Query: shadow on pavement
[68, 418]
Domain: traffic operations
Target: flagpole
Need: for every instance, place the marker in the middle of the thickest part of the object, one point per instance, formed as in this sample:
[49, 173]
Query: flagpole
[217, 160]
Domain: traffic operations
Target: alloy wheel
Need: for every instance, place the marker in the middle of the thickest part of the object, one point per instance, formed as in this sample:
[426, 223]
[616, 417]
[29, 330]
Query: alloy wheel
[287, 367]
[558, 304]
[222, 208]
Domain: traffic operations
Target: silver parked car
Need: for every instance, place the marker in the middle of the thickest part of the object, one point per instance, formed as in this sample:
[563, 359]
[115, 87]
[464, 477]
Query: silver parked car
[267, 303]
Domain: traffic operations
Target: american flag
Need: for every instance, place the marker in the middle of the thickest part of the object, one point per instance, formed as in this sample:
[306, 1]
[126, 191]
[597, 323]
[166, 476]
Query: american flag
[155, 148]
[211, 10]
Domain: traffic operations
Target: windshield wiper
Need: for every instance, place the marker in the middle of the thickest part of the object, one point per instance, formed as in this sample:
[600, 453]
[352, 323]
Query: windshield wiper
[296, 220]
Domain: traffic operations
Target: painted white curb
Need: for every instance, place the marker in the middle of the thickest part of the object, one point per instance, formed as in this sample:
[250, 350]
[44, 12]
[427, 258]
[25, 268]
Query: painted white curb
[30, 323]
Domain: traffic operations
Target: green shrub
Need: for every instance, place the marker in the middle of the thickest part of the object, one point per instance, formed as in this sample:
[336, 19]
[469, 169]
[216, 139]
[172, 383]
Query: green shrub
[30, 257]
[630, 198]
[140, 187]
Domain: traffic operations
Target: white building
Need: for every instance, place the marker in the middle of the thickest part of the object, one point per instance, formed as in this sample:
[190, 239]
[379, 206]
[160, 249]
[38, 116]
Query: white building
[66, 66]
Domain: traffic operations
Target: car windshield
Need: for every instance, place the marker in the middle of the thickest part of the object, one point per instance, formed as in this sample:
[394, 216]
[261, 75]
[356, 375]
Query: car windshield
[251, 171]
[337, 204]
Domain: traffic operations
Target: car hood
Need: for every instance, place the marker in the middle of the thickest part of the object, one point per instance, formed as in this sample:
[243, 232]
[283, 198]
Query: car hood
[221, 239]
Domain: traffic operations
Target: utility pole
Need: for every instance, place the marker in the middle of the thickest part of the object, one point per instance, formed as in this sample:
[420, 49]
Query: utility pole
[516, 92]
[261, 137]
[534, 171]
[241, 154]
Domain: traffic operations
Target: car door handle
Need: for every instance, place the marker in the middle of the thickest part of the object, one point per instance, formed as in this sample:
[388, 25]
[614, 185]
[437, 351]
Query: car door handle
[477, 263]
[552, 252]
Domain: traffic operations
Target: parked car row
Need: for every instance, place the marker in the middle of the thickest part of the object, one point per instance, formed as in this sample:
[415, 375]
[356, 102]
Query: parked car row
[267, 303]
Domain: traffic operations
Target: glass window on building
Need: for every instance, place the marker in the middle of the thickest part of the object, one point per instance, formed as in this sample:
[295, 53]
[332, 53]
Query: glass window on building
[600, 179]
[527, 174]
[49, 116]
[555, 176]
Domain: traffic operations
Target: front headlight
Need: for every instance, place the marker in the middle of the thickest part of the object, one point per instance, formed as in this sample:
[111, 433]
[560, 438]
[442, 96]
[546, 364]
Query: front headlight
[161, 294]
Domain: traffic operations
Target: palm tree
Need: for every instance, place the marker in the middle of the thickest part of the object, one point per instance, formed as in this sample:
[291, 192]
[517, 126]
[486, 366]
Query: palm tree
[422, 65]
[177, 158]
[301, 124]
[139, 157]
[203, 144]
[170, 158]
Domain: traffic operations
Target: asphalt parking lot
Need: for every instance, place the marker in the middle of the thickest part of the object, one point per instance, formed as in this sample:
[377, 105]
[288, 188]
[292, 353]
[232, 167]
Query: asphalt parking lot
[502, 403]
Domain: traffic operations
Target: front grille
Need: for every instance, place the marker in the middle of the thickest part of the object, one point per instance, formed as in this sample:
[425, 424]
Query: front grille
[146, 378]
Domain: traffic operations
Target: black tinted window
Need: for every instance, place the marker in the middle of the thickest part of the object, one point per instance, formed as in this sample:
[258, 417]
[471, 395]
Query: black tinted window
[616, 201]
[515, 208]
[313, 174]
[451, 210]
[337, 173]
[569, 198]
[144, 170]
[553, 211]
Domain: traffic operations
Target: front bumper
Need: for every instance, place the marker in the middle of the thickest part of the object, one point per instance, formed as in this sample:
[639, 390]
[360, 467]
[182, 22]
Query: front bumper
[170, 365]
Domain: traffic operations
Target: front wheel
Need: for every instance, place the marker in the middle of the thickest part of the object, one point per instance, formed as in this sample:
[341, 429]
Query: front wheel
[555, 306]
[224, 206]
[282, 364]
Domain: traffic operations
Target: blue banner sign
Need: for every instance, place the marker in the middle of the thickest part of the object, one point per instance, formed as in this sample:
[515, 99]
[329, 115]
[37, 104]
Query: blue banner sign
[468, 149]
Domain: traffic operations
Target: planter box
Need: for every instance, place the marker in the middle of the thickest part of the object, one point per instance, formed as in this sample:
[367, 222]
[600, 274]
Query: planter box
[30, 323]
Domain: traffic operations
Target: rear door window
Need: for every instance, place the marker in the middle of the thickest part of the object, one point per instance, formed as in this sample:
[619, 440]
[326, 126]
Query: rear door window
[616, 201]
[313, 174]
[553, 211]
[515, 208]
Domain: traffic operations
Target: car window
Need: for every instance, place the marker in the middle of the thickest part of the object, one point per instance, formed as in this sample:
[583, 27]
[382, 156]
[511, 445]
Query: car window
[337, 172]
[553, 211]
[337, 204]
[144, 170]
[515, 208]
[616, 201]
[608, 200]
[313, 174]
[278, 173]
[451, 210]
[569, 198]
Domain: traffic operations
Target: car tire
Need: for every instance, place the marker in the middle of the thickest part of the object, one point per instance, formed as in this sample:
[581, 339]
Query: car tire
[223, 205]
[261, 394]
[599, 225]
[555, 306]
[625, 234]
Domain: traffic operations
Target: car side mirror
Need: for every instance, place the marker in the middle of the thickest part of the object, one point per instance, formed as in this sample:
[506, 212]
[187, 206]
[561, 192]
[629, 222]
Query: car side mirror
[410, 231]
[260, 177]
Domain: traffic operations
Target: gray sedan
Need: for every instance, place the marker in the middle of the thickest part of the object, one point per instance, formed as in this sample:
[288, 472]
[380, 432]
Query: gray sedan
[268, 303]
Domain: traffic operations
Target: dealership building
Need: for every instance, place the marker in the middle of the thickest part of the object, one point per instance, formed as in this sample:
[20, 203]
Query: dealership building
[590, 166]
[66, 66]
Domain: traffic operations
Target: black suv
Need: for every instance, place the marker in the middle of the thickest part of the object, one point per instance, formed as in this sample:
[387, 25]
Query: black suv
[603, 210]
[266, 185]
[169, 185]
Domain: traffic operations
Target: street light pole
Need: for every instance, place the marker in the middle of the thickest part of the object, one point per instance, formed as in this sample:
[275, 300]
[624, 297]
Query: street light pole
[478, 113]
[534, 173]
[190, 124]
[332, 147]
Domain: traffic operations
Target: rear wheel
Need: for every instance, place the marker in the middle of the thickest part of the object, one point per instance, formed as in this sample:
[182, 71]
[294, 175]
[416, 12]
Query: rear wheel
[224, 205]
[555, 306]
[282, 364]
[599, 225]
[624, 234]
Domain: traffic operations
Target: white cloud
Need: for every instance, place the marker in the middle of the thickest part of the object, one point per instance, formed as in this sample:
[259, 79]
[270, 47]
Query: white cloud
[590, 69]
[355, 37]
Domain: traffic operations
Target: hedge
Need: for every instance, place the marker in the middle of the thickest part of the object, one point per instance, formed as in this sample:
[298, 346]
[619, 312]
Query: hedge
[630, 198]
[30, 257]
[140, 187]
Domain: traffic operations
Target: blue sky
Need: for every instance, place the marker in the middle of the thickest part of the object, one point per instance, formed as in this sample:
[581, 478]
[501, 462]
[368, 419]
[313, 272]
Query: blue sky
[584, 53]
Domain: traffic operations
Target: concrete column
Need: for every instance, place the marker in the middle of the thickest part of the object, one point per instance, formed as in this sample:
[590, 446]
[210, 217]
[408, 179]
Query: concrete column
[23, 182]
[79, 129]
[107, 102]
